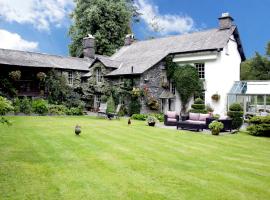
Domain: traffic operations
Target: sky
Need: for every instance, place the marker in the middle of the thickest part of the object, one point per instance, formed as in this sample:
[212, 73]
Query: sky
[42, 25]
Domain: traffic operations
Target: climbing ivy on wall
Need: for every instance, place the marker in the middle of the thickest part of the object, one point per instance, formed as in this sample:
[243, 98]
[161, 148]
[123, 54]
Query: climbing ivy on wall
[186, 79]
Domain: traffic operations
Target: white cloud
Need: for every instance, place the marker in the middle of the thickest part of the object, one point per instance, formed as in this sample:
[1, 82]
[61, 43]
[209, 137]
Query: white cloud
[40, 13]
[10, 40]
[164, 24]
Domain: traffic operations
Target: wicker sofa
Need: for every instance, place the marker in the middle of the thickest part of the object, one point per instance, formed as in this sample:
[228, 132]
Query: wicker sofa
[171, 118]
[194, 121]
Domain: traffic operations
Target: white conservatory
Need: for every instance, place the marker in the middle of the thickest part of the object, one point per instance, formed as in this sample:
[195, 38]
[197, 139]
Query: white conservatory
[254, 96]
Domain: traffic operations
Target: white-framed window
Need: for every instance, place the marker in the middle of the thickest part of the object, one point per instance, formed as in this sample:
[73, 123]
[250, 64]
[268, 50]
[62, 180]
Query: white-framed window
[98, 75]
[70, 77]
[200, 68]
[97, 100]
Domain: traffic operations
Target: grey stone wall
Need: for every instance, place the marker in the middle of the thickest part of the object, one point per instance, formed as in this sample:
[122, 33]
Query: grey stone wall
[152, 79]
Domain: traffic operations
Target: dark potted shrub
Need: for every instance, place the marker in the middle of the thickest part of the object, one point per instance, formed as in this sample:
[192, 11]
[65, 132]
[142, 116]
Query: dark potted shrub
[151, 120]
[236, 114]
[215, 127]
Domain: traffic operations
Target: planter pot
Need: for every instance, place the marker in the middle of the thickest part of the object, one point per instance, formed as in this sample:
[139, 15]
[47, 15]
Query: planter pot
[215, 132]
[151, 123]
[77, 131]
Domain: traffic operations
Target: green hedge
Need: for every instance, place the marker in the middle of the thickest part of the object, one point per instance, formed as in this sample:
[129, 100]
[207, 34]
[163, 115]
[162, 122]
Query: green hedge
[57, 109]
[198, 111]
[198, 106]
[260, 126]
[40, 106]
[143, 117]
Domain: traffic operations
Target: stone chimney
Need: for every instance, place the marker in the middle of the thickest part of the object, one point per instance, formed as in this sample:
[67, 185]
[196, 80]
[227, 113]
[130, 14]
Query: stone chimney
[89, 46]
[129, 39]
[225, 21]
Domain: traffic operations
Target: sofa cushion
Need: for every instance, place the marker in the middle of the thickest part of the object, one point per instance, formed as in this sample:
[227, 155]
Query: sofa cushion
[223, 117]
[195, 121]
[171, 114]
[171, 120]
[194, 116]
[203, 117]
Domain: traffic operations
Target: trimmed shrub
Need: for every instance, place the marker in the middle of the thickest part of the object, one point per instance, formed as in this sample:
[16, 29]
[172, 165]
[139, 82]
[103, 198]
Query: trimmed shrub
[57, 109]
[198, 101]
[25, 106]
[40, 106]
[260, 126]
[5, 106]
[75, 111]
[141, 117]
[198, 106]
[110, 105]
[16, 104]
[236, 113]
[134, 106]
[198, 111]
[159, 116]
[235, 107]
[216, 127]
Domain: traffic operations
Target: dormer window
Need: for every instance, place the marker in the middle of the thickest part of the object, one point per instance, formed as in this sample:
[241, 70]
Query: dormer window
[98, 75]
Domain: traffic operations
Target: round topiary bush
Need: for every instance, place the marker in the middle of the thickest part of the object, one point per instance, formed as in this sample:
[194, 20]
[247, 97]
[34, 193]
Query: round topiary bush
[198, 106]
[236, 114]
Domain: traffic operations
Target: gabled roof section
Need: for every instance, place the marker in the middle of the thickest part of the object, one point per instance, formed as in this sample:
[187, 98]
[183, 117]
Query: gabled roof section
[32, 59]
[143, 55]
[107, 61]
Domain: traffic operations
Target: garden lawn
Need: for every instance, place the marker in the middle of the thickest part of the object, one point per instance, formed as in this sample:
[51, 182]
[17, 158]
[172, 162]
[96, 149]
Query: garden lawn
[41, 158]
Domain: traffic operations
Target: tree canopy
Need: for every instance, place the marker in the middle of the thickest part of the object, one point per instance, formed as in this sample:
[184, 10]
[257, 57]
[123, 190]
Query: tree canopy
[257, 68]
[109, 21]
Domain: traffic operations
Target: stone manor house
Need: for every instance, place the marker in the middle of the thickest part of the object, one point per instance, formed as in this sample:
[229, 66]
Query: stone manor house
[215, 53]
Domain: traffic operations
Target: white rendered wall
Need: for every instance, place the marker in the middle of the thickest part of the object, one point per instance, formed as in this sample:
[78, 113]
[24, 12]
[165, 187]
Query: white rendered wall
[220, 74]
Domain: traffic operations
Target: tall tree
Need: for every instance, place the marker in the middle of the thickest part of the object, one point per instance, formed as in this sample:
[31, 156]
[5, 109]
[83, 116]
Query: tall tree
[257, 68]
[109, 21]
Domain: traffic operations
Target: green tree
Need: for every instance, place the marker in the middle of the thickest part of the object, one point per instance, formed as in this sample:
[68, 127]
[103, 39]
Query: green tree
[110, 105]
[186, 79]
[257, 68]
[107, 20]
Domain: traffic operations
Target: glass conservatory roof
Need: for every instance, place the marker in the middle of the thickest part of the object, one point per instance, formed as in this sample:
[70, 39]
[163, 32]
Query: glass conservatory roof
[251, 88]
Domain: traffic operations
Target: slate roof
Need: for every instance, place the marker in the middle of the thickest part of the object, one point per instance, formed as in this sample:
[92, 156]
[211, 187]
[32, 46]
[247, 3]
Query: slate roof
[143, 55]
[31, 59]
[166, 94]
[108, 62]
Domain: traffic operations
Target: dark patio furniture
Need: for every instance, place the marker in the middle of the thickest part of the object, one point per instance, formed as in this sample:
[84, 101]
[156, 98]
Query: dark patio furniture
[171, 119]
[193, 121]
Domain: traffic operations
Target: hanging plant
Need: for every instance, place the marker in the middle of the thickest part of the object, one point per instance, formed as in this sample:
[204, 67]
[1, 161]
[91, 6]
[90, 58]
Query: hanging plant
[41, 76]
[153, 103]
[215, 97]
[136, 92]
[15, 75]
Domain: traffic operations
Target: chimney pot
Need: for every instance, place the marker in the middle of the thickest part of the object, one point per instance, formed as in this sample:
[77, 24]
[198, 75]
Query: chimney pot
[225, 21]
[89, 46]
[129, 39]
